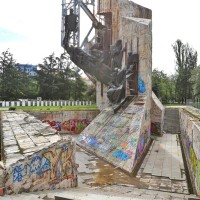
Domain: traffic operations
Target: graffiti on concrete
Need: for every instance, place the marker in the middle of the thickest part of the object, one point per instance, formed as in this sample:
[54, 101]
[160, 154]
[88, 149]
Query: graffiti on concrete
[19, 172]
[75, 125]
[141, 85]
[193, 159]
[61, 166]
[195, 167]
[121, 155]
[155, 128]
[190, 133]
[53, 124]
[57, 163]
[120, 137]
[35, 165]
[71, 125]
[141, 145]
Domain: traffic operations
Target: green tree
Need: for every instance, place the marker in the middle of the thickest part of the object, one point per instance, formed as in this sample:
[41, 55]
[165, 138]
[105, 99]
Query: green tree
[13, 82]
[163, 86]
[47, 77]
[79, 86]
[91, 93]
[195, 81]
[186, 61]
[66, 76]
[58, 78]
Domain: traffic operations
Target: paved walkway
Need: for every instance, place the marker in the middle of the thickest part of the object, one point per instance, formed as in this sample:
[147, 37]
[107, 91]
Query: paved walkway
[100, 181]
[165, 158]
[163, 166]
[161, 175]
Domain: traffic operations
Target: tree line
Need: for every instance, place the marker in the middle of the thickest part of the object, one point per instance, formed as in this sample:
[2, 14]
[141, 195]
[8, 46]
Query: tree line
[57, 78]
[182, 85]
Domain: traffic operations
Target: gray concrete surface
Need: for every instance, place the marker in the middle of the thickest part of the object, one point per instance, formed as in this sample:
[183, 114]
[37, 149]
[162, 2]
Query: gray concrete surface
[99, 180]
[161, 176]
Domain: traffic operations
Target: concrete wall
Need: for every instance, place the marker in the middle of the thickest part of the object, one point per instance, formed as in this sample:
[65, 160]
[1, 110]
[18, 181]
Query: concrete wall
[101, 96]
[157, 116]
[66, 115]
[190, 135]
[132, 24]
[50, 168]
[125, 8]
[67, 121]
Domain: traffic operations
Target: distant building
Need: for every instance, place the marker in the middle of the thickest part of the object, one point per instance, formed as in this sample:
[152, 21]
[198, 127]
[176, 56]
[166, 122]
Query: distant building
[29, 69]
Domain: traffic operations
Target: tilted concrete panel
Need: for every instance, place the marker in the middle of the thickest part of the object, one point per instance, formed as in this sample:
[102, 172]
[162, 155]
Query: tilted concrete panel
[35, 157]
[119, 138]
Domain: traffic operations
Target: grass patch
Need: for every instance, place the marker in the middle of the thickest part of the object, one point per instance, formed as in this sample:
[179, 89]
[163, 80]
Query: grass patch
[175, 105]
[56, 108]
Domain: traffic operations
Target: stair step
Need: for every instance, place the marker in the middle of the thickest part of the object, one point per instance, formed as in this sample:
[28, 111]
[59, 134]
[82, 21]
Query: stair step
[171, 121]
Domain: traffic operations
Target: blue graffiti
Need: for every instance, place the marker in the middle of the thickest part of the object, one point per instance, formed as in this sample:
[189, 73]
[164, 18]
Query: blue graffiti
[121, 155]
[141, 86]
[92, 141]
[46, 166]
[18, 173]
[53, 187]
[133, 142]
[35, 164]
[64, 147]
[113, 137]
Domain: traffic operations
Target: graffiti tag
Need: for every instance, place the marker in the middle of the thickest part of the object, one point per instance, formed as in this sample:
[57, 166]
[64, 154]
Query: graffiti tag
[121, 155]
[57, 162]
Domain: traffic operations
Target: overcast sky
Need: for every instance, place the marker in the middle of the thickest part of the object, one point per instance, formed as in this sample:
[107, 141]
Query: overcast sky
[31, 29]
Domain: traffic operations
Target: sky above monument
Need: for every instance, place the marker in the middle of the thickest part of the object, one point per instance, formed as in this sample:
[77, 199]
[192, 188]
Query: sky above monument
[31, 29]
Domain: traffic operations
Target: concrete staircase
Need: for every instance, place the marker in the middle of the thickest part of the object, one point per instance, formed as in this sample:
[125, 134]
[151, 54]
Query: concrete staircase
[171, 121]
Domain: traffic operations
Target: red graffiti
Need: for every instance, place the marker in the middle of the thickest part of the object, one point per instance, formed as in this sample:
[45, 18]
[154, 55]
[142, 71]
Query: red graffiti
[53, 124]
[155, 128]
[71, 125]
[75, 125]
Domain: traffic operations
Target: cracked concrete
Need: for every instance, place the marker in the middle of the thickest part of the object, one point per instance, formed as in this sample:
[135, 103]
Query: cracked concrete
[99, 180]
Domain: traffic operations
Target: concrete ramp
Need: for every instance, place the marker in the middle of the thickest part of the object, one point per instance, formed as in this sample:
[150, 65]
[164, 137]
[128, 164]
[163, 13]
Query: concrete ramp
[119, 138]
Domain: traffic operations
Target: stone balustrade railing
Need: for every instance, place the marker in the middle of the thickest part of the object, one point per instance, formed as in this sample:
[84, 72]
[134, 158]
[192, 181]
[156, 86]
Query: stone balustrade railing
[44, 103]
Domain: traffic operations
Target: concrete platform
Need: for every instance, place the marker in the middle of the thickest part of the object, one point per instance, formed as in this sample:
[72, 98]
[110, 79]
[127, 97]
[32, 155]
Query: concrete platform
[34, 156]
[99, 180]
